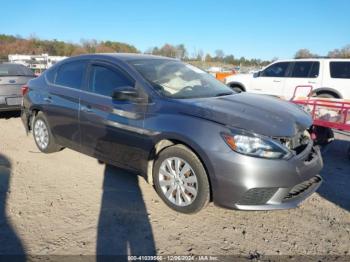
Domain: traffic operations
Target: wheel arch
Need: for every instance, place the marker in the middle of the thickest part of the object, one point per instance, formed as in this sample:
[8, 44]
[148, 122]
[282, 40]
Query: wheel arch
[165, 142]
[327, 90]
[237, 84]
[33, 111]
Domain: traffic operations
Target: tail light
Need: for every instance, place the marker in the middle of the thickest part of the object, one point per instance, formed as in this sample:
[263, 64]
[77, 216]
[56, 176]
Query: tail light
[24, 89]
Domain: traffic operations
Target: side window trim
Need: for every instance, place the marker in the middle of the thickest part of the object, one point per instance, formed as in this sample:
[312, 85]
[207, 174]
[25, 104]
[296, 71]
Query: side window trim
[286, 73]
[291, 69]
[334, 74]
[315, 63]
[54, 77]
[107, 65]
[83, 77]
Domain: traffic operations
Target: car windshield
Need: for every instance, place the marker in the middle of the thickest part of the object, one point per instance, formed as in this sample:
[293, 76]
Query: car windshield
[175, 79]
[15, 70]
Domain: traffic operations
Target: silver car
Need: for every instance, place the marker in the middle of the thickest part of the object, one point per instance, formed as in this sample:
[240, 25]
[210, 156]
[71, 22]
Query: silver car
[188, 134]
[12, 78]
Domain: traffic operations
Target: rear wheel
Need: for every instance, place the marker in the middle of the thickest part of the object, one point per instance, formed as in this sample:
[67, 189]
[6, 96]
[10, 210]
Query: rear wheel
[326, 95]
[180, 179]
[42, 135]
[237, 88]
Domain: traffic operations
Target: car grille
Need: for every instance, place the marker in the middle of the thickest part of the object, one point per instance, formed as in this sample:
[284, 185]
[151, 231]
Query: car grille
[300, 188]
[257, 196]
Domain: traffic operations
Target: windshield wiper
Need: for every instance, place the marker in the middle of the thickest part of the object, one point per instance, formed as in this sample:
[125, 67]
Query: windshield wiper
[224, 94]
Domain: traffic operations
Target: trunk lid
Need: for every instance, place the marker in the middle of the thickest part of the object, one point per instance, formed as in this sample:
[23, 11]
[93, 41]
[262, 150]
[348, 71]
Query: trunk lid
[11, 85]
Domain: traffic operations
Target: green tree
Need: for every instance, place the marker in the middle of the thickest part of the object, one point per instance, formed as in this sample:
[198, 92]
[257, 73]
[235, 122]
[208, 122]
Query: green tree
[304, 53]
[219, 55]
[229, 59]
[208, 58]
[340, 53]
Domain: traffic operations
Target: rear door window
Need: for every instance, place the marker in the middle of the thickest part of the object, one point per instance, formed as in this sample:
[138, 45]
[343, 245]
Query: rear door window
[340, 69]
[305, 69]
[276, 70]
[71, 74]
[50, 75]
[315, 70]
[103, 80]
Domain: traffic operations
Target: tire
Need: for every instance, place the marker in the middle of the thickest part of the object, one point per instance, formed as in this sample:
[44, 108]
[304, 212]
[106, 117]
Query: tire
[324, 135]
[43, 137]
[237, 89]
[326, 95]
[188, 192]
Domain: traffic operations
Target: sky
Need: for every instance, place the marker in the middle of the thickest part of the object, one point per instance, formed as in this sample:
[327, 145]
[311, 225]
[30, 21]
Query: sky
[262, 29]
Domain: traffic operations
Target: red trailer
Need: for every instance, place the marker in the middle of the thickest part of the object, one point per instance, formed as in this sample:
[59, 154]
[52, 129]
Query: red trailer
[327, 114]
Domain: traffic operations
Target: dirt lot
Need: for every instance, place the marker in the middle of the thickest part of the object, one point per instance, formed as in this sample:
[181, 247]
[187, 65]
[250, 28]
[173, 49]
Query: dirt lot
[67, 203]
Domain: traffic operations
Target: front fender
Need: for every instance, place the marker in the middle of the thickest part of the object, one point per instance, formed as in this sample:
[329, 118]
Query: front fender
[191, 131]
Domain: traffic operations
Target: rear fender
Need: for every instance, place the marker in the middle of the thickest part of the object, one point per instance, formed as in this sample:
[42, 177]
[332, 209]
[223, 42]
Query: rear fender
[25, 117]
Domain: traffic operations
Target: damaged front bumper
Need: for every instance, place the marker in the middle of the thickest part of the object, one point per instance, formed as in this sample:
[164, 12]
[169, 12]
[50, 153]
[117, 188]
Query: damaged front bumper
[248, 183]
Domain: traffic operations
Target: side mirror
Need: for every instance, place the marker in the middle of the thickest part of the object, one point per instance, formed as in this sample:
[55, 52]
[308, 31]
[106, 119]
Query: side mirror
[257, 74]
[130, 93]
[125, 93]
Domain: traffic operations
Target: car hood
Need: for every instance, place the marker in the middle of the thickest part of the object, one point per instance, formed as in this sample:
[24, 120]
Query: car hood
[260, 114]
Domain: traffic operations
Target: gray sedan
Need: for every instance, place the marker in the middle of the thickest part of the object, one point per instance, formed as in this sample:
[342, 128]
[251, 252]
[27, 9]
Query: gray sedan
[12, 78]
[188, 134]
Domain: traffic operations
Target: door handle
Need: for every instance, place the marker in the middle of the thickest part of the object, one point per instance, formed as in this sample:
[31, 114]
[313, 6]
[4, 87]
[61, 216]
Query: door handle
[277, 81]
[86, 109]
[312, 82]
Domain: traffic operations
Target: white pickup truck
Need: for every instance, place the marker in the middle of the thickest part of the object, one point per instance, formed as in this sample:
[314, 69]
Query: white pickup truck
[328, 77]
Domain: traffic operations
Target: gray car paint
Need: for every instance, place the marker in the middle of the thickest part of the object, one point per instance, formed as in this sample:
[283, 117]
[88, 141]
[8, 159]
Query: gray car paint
[256, 113]
[10, 87]
[196, 123]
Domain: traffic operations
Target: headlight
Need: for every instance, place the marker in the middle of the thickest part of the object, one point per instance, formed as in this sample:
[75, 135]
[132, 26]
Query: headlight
[257, 146]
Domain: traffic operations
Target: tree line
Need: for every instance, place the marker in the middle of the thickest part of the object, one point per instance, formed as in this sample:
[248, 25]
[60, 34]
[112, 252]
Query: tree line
[10, 44]
[336, 53]
[180, 52]
[33, 46]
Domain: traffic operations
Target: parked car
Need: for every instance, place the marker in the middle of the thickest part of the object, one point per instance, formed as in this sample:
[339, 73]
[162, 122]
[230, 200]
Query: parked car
[329, 78]
[12, 78]
[190, 135]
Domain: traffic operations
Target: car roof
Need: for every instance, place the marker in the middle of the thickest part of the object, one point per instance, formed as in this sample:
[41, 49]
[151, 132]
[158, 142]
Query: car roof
[312, 59]
[122, 56]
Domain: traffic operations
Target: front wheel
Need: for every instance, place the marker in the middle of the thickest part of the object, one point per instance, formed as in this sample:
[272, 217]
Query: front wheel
[180, 179]
[42, 135]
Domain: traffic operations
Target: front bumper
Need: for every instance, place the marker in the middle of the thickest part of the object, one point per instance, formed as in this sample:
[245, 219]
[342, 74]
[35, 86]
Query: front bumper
[248, 183]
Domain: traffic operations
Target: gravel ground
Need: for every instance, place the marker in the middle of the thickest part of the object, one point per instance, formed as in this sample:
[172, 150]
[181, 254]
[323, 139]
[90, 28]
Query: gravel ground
[68, 204]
